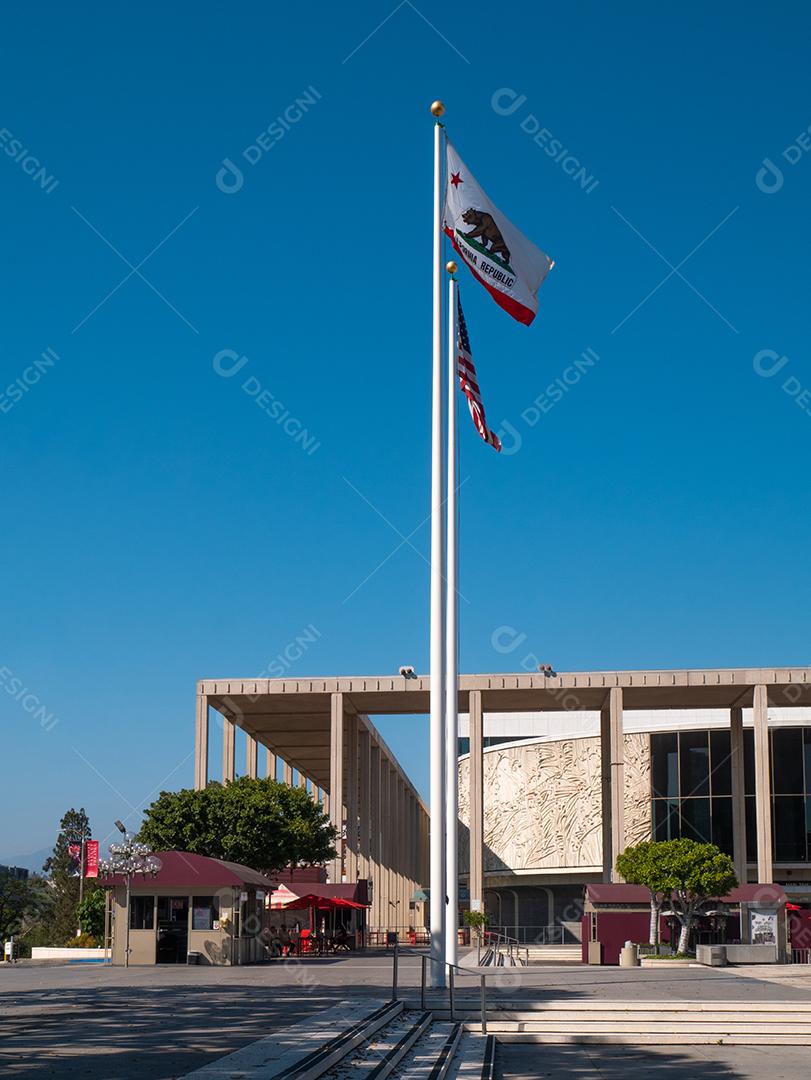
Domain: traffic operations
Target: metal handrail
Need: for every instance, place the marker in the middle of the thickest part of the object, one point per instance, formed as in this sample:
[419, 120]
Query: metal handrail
[511, 942]
[451, 987]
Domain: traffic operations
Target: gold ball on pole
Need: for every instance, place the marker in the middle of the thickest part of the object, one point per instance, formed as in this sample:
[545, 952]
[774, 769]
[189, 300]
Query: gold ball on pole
[437, 109]
[451, 267]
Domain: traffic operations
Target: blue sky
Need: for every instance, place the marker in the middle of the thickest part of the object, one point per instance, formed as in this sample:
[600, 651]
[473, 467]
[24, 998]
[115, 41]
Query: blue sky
[161, 527]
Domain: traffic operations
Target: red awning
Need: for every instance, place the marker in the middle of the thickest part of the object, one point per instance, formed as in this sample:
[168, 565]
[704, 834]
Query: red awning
[321, 903]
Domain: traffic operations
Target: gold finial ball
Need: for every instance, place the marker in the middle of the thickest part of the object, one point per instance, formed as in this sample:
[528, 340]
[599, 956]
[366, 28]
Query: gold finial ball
[451, 267]
[437, 109]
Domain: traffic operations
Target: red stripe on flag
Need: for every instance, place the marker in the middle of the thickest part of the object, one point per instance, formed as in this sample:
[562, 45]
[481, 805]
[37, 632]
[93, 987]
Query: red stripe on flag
[512, 307]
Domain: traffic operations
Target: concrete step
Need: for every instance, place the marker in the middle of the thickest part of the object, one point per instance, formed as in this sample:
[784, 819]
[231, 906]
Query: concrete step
[475, 1057]
[657, 1039]
[651, 1027]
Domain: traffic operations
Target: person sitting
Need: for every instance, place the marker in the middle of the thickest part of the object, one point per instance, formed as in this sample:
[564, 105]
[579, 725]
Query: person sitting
[275, 942]
[286, 941]
[341, 939]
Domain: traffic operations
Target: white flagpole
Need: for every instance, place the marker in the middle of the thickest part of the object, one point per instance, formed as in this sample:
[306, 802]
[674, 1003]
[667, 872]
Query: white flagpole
[437, 642]
[452, 649]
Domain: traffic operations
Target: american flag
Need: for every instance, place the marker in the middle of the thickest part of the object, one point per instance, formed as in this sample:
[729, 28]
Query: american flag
[469, 384]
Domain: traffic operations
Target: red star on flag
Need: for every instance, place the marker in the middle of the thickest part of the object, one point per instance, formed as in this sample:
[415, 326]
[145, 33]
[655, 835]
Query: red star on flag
[456, 179]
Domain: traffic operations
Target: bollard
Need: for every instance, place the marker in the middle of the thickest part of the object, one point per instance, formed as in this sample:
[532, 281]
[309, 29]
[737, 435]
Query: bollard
[394, 973]
[484, 1006]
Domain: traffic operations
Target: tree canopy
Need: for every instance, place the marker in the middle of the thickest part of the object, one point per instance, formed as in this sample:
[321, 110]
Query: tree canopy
[684, 872]
[257, 822]
[21, 901]
[63, 920]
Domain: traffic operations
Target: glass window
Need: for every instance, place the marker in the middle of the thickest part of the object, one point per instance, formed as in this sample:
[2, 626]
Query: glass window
[749, 761]
[722, 824]
[789, 828]
[665, 765]
[695, 820]
[666, 823]
[694, 761]
[787, 761]
[142, 913]
[205, 912]
[720, 763]
[751, 829]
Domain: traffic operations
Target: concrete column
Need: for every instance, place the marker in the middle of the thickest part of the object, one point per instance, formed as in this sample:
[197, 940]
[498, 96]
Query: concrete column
[287, 773]
[336, 780]
[374, 836]
[612, 750]
[476, 721]
[385, 850]
[270, 764]
[352, 797]
[302, 780]
[201, 743]
[229, 735]
[738, 794]
[251, 757]
[763, 787]
[364, 769]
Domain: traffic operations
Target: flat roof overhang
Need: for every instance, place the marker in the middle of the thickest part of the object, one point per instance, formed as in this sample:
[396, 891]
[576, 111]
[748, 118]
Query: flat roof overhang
[292, 716]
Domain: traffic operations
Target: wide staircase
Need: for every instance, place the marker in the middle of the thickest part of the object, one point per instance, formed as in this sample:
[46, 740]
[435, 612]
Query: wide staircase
[640, 1023]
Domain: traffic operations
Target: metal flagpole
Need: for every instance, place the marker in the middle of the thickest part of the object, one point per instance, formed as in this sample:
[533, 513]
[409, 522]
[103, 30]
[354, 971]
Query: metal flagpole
[437, 643]
[451, 650]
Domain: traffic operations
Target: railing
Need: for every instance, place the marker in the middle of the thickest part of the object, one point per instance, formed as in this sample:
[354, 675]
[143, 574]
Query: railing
[801, 956]
[501, 944]
[424, 961]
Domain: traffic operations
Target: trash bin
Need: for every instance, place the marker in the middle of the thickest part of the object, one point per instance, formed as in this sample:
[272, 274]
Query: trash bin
[193, 958]
[629, 956]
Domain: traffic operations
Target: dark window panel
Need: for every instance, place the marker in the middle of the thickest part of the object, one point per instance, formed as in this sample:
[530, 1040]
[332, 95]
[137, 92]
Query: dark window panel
[666, 824]
[722, 824]
[787, 761]
[807, 754]
[749, 761]
[142, 910]
[665, 765]
[720, 763]
[789, 828]
[695, 820]
[694, 763]
[751, 829]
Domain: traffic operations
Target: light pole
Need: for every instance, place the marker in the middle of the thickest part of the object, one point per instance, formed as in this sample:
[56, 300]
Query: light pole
[128, 858]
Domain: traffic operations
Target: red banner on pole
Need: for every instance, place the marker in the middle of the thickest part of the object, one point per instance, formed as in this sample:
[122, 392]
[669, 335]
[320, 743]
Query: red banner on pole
[91, 858]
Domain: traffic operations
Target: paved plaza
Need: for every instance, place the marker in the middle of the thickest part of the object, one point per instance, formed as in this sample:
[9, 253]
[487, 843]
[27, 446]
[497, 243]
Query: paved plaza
[154, 1023]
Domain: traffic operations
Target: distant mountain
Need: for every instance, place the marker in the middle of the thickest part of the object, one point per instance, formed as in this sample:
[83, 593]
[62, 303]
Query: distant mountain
[31, 862]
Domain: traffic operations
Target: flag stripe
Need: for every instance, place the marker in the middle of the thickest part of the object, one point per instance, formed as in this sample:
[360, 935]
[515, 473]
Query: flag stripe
[468, 381]
[518, 311]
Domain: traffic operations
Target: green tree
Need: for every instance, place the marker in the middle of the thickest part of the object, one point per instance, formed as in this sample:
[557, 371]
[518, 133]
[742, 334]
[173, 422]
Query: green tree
[257, 822]
[72, 828]
[686, 872]
[639, 865]
[21, 902]
[90, 913]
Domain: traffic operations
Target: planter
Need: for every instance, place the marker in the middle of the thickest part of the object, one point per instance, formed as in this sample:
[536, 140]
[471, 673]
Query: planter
[664, 962]
[47, 953]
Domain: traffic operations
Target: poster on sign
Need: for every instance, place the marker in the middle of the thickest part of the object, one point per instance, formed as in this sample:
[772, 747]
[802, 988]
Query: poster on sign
[91, 858]
[75, 856]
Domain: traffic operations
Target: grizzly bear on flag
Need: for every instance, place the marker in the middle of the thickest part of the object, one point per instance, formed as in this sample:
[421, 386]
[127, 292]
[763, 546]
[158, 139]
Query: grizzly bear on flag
[486, 230]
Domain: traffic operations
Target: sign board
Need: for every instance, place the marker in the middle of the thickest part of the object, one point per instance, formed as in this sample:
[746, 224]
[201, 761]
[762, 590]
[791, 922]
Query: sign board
[91, 859]
[763, 927]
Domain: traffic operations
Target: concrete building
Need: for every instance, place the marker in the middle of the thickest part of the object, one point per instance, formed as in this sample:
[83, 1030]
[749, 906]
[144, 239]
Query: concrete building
[558, 773]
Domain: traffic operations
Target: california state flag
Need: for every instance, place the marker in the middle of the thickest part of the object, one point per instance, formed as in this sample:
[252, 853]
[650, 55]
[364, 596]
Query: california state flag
[509, 266]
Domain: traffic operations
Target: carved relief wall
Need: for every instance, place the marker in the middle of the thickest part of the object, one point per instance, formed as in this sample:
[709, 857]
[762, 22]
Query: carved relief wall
[542, 804]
